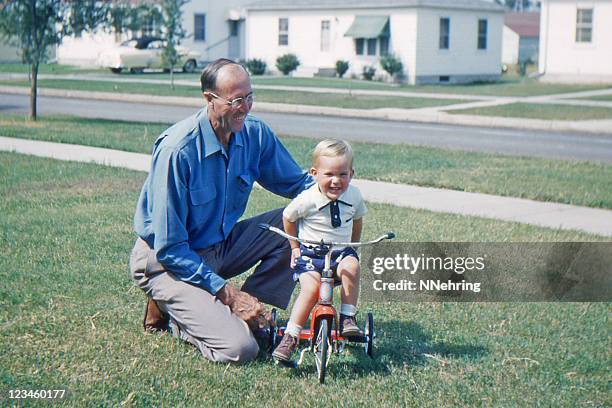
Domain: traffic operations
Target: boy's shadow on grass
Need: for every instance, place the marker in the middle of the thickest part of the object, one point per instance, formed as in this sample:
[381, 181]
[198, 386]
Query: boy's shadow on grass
[398, 344]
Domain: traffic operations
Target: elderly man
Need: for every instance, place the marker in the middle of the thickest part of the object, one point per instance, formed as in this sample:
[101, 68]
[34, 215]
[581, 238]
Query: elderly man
[202, 172]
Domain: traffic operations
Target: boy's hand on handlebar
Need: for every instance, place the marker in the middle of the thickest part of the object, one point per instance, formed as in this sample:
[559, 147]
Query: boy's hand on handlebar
[295, 254]
[245, 306]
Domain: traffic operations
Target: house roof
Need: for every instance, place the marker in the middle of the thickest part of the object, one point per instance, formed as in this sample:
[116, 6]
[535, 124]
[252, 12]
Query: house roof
[524, 24]
[369, 4]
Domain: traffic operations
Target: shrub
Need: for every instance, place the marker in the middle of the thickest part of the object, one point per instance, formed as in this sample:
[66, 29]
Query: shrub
[368, 72]
[287, 63]
[341, 67]
[256, 66]
[391, 64]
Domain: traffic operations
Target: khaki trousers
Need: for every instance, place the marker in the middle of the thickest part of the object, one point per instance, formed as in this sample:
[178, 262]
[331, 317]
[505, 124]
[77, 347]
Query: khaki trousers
[196, 316]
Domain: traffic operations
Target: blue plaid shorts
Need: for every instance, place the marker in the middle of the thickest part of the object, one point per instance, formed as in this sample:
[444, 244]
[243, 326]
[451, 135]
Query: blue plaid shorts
[309, 261]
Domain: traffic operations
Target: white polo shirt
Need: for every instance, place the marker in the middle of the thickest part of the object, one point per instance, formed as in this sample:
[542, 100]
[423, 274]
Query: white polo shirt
[311, 210]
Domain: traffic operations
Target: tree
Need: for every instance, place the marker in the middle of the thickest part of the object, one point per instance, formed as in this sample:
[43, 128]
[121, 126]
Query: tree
[171, 10]
[36, 25]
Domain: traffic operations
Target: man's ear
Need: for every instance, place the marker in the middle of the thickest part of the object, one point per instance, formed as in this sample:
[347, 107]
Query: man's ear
[352, 172]
[207, 97]
[313, 171]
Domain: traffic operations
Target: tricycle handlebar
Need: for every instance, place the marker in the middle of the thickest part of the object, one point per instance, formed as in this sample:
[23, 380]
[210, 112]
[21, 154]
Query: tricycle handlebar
[388, 235]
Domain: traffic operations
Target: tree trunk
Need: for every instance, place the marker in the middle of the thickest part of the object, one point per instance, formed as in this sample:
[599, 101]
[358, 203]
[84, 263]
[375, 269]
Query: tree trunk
[33, 88]
[172, 78]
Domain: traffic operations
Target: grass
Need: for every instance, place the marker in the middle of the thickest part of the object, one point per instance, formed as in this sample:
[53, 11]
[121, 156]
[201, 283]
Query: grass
[71, 316]
[263, 95]
[45, 69]
[578, 183]
[605, 98]
[511, 84]
[540, 111]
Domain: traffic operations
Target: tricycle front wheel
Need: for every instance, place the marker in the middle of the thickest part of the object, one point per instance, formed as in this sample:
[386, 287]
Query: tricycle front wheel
[321, 350]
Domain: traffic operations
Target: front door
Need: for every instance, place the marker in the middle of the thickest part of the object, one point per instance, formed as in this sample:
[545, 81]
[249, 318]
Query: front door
[235, 45]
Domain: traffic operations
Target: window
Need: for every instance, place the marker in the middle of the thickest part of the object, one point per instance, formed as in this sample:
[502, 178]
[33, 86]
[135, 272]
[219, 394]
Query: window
[384, 46]
[482, 34]
[359, 42]
[372, 46]
[199, 27]
[444, 33]
[584, 25]
[283, 31]
[325, 35]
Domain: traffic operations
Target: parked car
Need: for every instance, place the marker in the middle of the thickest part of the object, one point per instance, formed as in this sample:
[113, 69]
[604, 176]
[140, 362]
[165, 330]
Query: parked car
[142, 53]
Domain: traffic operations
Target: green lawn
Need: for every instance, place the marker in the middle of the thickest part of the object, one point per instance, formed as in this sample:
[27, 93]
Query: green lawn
[46, 69]
[262, 95]
[562, 181]
[540, 111]
[71, 317]
[605, 98]
[509, 85]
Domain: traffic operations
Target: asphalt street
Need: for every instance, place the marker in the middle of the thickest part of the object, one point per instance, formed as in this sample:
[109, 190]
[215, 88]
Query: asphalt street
[558, 145]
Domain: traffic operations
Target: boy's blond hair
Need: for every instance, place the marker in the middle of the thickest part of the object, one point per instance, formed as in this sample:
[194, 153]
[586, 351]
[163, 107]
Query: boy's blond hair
[332, 148]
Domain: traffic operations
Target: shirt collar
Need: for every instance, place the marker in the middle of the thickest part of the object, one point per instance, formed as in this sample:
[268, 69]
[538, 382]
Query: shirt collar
[321, 200]
[211, 143]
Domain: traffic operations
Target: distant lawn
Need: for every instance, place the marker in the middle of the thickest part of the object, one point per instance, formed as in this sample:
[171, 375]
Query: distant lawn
[540, 111]
[262, 95]
[578, 183]
[71, 317]
[509, 85]
[605, 98]
[45, 69]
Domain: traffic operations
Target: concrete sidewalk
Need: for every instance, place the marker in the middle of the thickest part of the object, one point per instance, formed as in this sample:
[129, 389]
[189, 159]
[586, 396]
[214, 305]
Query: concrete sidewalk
[422, 115]
[543, 214]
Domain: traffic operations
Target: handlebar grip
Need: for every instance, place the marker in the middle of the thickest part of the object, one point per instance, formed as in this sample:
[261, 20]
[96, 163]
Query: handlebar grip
[390, 235]
[264, 226]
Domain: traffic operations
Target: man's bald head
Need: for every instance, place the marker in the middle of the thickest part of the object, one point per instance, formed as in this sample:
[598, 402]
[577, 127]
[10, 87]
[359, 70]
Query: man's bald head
[218, 71]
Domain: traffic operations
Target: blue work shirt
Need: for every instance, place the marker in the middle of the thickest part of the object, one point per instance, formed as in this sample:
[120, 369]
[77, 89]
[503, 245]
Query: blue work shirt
[197, 190]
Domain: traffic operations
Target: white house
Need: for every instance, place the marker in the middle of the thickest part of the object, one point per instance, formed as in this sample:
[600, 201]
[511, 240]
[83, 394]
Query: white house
[521, 37]
[214, 28]
[438, 41]
[576, 41]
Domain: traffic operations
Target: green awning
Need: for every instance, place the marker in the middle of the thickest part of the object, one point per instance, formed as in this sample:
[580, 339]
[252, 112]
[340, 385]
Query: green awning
[369, 27]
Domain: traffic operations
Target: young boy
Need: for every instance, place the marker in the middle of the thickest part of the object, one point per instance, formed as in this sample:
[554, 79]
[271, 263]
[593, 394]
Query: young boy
[332, 210]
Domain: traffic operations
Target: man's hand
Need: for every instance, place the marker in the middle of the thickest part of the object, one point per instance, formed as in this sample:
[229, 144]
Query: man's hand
[245, 306]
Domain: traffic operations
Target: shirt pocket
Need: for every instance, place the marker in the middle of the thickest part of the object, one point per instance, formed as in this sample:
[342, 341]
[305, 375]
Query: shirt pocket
[203, 209]
[202, 196]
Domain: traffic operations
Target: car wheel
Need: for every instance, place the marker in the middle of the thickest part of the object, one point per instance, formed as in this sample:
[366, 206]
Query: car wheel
[190, 66]
[116, 70]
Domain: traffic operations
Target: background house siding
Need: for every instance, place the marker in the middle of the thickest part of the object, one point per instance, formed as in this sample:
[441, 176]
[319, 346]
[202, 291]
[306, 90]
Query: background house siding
[561, 57]
[463, 61]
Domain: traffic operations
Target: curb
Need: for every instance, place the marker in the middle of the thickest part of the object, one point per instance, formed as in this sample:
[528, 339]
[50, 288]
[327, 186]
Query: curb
[394, 114]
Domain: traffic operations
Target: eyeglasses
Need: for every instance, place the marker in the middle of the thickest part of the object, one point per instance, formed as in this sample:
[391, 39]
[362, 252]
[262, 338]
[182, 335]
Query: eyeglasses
[236, 102]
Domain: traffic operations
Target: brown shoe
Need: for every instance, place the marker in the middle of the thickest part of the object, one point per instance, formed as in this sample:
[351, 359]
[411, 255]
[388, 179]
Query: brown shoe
[154, 319]
[286, 347]
[348, 326]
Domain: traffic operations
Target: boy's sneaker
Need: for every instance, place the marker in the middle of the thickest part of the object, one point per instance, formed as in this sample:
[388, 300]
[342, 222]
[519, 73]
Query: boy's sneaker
[286, 347]
[348, 326]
